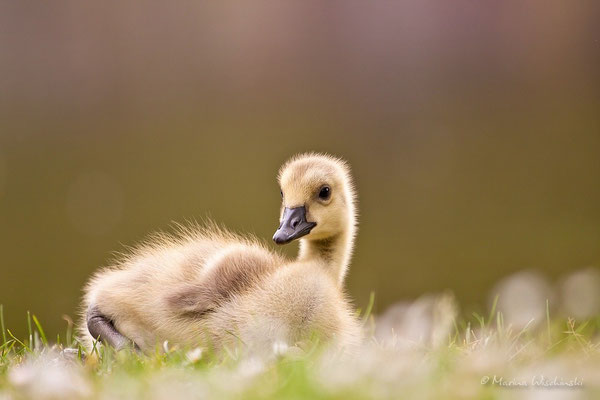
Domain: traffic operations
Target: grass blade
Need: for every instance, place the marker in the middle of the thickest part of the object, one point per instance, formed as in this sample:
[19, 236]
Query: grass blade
[2, 323]
[95, 348]
[7, 347]
[493, 310]
[29, 329]
[18, 341]
[5, 344]
[548, 321]
[40, 330]
[69, 333]
[479, 319]
[369, 308]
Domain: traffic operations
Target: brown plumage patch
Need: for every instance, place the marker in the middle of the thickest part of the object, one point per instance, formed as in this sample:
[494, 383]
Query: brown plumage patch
[326, 247]
[234, 273]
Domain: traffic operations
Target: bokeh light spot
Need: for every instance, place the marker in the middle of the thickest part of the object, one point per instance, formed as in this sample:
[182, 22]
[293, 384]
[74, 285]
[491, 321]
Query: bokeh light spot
[522, 298]
[581, 293]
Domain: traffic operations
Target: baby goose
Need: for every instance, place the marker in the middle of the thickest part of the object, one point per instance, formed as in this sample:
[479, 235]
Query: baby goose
[208, 286]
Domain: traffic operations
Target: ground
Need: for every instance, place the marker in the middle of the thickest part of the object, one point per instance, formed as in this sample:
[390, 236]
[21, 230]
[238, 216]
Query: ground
[477, 357]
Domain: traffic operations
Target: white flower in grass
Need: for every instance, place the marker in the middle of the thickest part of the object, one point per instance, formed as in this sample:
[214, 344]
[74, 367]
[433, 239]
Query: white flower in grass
[176, 384]
[280, 348]
[194, 355]
[5, 396]
[385, 368]
[49, 376]
[251, 367]
[233, 380]
[427, 321]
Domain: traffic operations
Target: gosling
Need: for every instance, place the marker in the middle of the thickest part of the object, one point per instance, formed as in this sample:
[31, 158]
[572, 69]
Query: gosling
[206, 286]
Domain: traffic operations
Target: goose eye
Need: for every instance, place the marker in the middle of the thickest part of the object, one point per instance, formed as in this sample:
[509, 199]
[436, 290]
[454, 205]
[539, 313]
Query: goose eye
[281, 191]
[324, 193]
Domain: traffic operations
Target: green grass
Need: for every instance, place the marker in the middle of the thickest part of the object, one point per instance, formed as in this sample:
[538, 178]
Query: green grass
[474, 350]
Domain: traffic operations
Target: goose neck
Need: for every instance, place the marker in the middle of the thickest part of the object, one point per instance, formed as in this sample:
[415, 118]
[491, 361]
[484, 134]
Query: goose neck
[333, 252]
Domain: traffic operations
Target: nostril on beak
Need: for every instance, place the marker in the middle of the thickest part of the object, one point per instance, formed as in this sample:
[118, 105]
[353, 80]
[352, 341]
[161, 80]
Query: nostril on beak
[294, 223]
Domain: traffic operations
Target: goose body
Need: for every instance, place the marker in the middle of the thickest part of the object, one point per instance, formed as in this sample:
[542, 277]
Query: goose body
[206, 286]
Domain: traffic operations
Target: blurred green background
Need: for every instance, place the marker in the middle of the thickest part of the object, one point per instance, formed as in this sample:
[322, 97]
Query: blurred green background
[473, 130]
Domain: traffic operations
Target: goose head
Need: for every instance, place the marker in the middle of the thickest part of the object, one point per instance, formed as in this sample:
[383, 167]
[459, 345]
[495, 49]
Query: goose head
[317, 199]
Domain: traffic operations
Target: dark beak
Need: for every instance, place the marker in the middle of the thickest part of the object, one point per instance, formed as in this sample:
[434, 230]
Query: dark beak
[293, 225]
